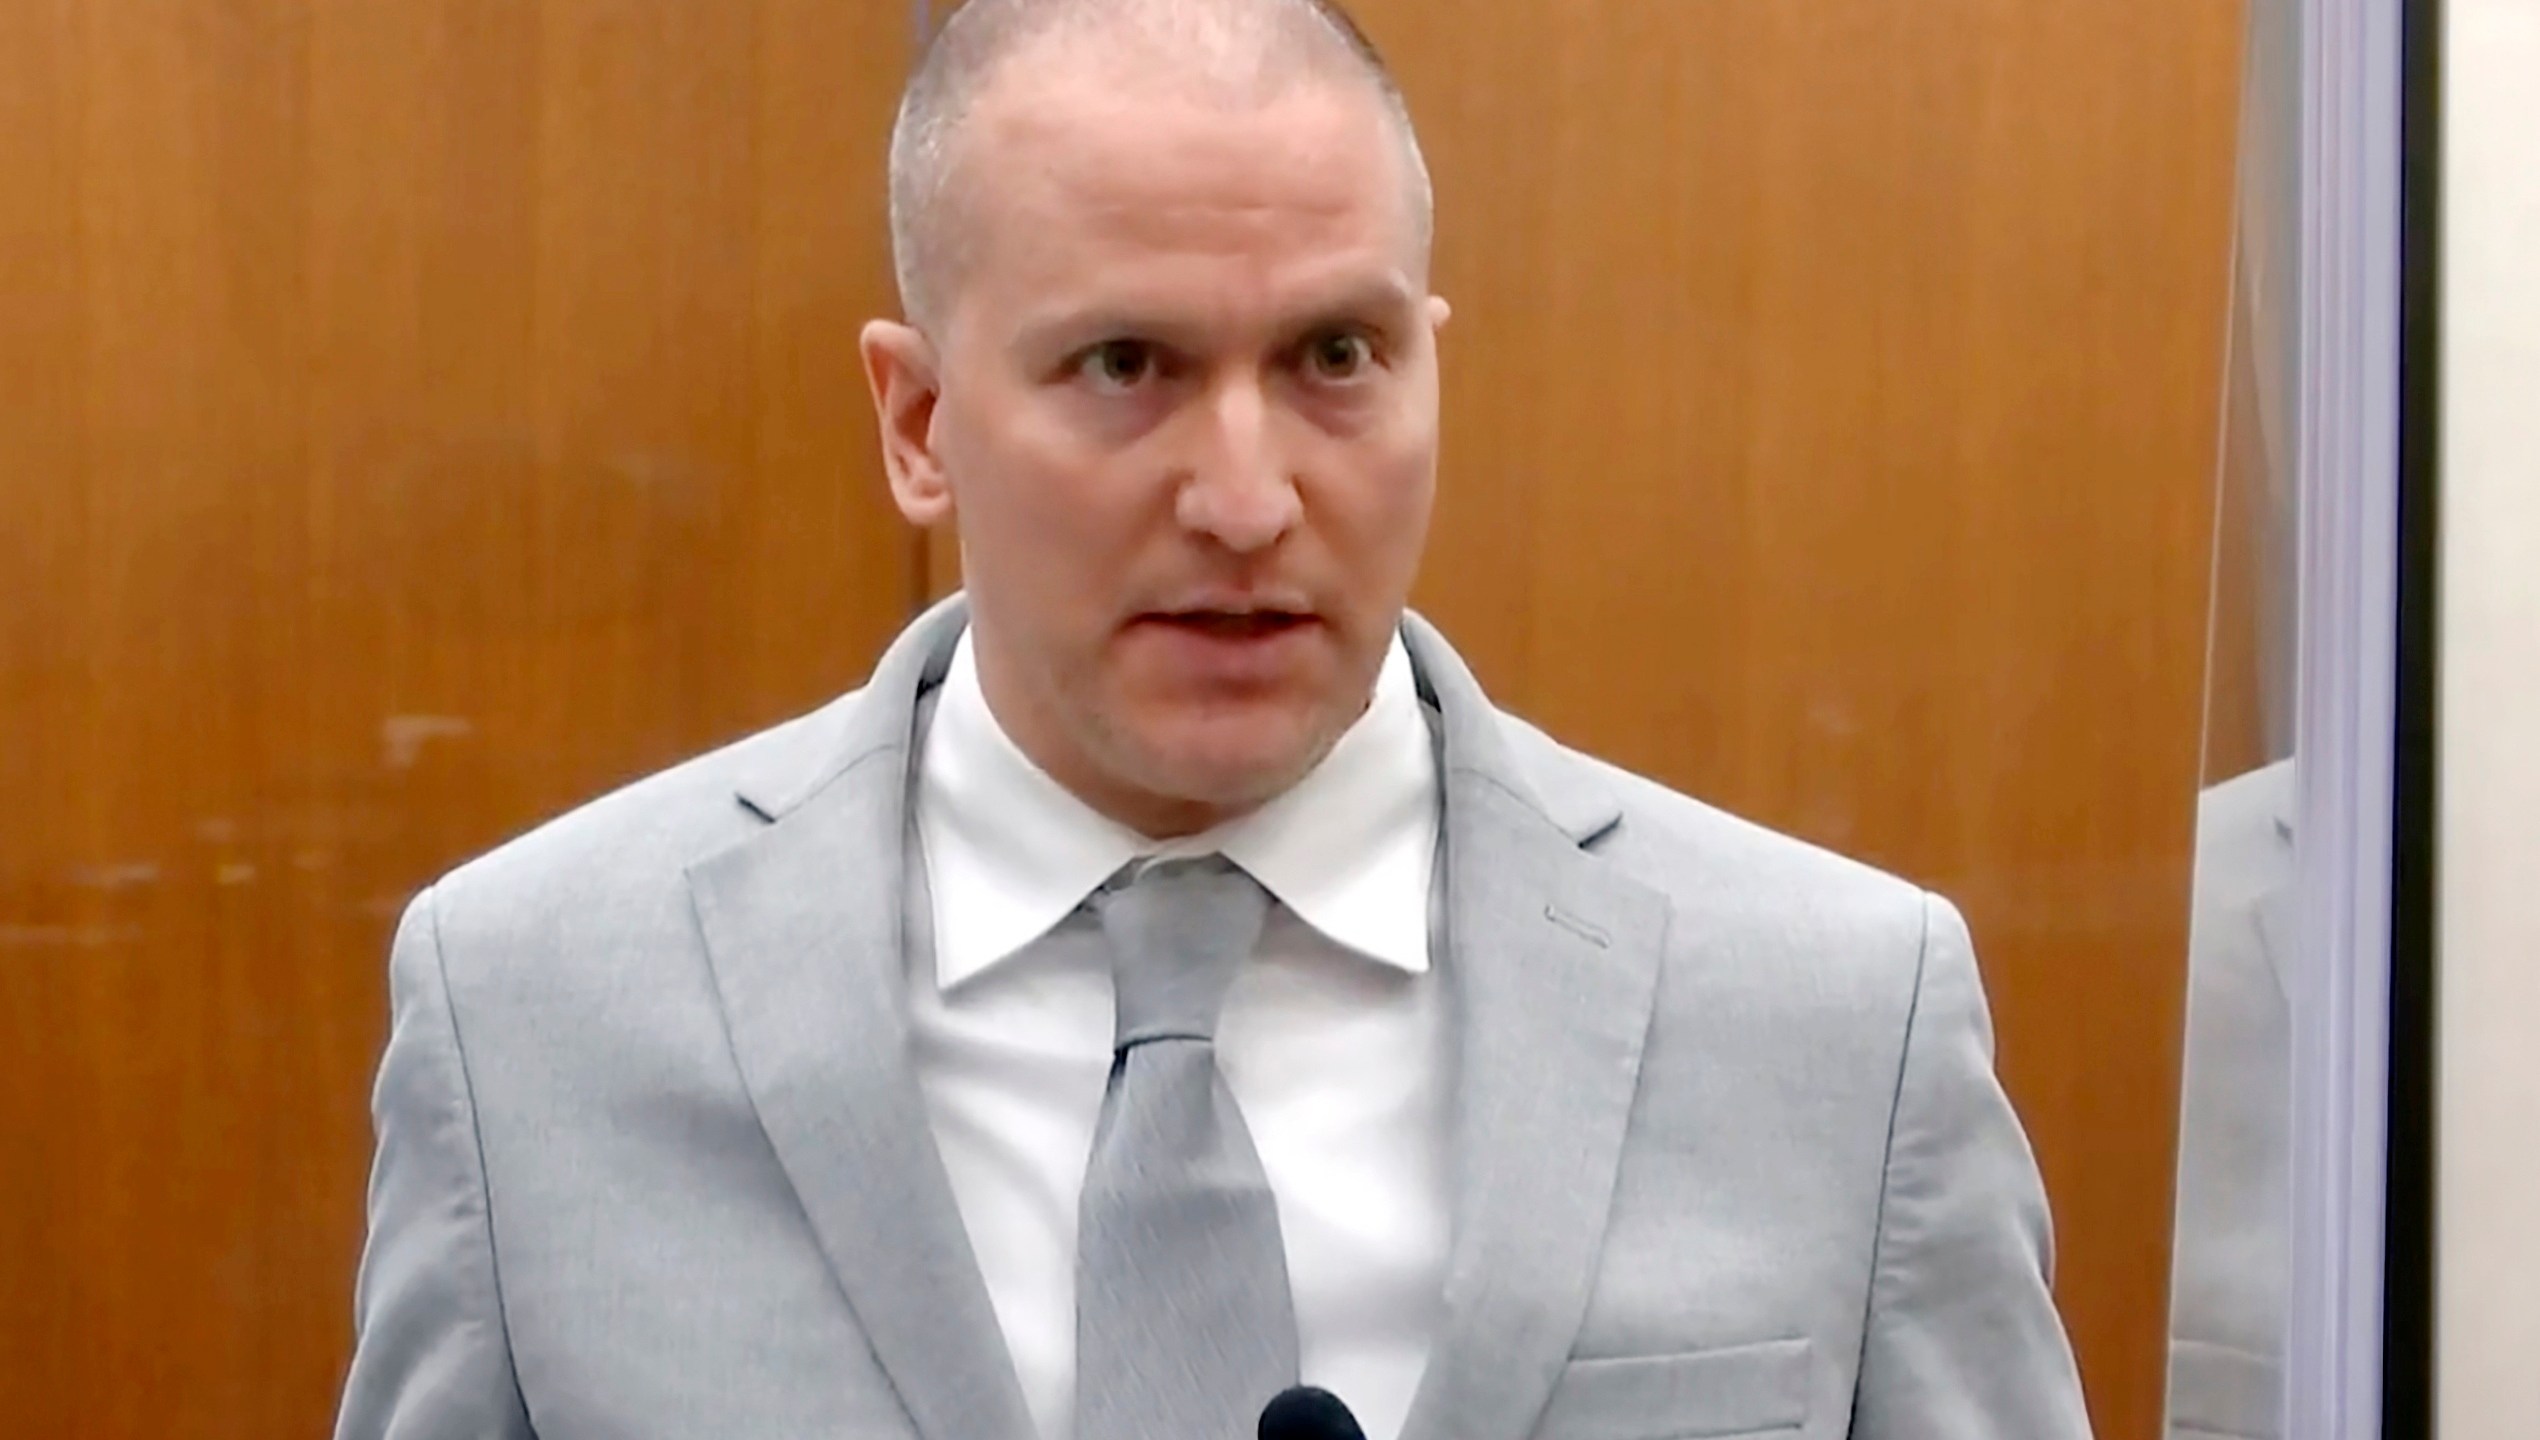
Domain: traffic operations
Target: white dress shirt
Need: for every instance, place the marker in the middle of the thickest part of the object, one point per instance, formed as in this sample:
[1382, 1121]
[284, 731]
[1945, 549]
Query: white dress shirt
[1333, 1039]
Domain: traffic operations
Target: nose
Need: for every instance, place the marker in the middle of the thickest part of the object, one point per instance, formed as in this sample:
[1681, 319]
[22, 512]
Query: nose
[1240, 491]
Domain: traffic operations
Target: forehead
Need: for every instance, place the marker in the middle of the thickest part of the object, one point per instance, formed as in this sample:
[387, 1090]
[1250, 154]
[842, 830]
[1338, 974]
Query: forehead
[1075, 180]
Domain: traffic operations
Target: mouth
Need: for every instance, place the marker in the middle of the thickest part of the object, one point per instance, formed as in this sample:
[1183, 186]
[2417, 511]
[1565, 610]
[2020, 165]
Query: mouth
[1234, 624]
[1230, 648]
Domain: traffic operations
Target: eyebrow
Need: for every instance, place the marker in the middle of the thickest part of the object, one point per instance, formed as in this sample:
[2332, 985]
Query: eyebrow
[1390, 296]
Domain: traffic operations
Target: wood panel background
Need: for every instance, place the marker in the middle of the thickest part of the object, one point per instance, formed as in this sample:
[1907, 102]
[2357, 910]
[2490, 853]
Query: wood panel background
[1832, 408]
[2249, 686]
[422, 416]
[419, 416]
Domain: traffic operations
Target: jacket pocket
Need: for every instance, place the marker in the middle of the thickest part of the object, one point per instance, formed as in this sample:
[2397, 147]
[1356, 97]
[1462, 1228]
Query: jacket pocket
[1737, 1390]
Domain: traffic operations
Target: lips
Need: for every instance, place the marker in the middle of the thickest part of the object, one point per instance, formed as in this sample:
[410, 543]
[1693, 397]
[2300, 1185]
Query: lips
[1232, 649]
[1236, 624]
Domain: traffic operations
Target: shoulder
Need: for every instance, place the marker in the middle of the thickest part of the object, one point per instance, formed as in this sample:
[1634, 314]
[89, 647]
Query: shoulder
[1773, 900]
[1668, 838]
[629, 850]
[2244, 837]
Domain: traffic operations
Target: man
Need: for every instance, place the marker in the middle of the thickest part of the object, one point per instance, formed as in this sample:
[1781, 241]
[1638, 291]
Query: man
[1169, 979]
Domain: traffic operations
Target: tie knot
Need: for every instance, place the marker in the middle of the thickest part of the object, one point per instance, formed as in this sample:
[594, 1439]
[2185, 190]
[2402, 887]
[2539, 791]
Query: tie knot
[1179, 930]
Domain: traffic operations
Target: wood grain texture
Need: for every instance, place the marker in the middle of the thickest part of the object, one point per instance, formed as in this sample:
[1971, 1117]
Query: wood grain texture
[1831, 417]
[423, 416]
[2249, 689]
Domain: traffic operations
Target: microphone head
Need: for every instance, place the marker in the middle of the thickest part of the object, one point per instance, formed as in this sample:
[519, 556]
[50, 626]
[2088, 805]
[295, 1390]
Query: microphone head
[1302, 1412]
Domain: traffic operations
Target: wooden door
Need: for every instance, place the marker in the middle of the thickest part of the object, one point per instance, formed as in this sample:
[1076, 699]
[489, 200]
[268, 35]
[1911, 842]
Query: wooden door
[414, 417]
[1831, 414]
[421, 416]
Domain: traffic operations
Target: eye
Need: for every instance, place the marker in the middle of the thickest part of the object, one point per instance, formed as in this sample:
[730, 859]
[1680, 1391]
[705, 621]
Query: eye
[1118, 365]
[1339, 355]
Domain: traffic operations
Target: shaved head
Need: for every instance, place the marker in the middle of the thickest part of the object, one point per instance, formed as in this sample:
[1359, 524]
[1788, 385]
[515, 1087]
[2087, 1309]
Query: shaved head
[1168, 369]
[1226, 52]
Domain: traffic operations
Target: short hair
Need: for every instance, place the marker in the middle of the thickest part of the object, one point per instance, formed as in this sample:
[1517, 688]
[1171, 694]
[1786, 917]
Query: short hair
[1274, 40]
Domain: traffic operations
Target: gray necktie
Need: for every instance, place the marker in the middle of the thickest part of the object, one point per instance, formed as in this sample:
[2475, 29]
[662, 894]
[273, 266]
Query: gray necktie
[1184, 1325]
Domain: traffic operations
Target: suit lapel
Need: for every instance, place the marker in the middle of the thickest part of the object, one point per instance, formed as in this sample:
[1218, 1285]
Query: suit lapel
[1552, 963]
[803, 930]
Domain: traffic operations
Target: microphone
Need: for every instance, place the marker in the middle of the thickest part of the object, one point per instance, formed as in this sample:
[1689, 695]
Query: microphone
[1301, 1412]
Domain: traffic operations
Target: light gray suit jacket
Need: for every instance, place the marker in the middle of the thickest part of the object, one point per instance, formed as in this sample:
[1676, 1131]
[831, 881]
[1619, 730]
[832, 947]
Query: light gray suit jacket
[1732, 1160]
[2229, 1279]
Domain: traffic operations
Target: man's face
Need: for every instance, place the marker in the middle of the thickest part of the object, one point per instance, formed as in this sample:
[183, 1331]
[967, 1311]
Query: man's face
[1182, 405]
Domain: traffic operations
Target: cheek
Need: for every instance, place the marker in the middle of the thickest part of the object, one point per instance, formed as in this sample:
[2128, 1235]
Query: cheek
[1051, 519]
[1016, 475]
[1382, 507]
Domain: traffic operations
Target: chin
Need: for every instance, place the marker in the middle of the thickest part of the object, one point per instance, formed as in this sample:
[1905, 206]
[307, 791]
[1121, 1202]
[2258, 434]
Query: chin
[1231, 769]
[1231, 783]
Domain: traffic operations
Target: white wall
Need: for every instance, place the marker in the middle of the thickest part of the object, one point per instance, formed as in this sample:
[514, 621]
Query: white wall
[2488, 1318]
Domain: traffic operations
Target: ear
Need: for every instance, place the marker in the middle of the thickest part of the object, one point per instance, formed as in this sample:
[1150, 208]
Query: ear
[901, 366]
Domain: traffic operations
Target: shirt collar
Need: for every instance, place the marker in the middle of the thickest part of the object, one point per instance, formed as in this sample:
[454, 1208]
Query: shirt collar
[1010, 852]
